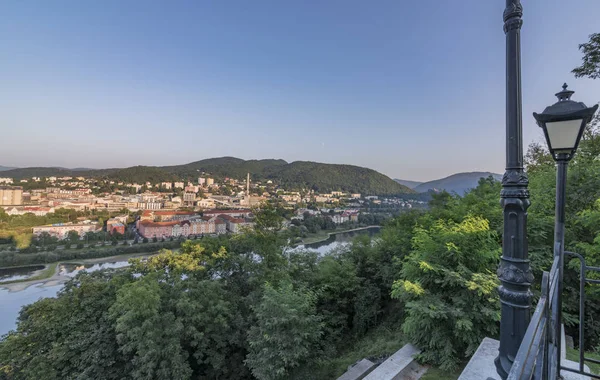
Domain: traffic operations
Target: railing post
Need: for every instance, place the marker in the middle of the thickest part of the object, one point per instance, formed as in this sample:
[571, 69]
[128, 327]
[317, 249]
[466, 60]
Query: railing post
[559, 241]
[514, 271]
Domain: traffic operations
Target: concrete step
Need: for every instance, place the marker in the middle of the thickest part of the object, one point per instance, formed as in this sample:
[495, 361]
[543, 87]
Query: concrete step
[400, 366]
[569, 363]
[358, 370]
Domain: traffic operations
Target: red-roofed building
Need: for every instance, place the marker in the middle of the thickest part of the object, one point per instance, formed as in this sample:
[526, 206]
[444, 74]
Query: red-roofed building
[235, 225]
[111, 228]
[241, 213]
[150, 229]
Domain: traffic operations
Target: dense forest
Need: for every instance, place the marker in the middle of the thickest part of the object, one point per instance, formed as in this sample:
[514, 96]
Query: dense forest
[294, 176]
[249, 307]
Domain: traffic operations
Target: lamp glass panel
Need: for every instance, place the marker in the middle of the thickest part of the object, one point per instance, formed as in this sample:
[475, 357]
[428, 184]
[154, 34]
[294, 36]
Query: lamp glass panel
[563, 134]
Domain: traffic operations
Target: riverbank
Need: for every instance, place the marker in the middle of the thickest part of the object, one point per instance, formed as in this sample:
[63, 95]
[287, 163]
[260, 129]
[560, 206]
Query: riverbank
[324, 235]
[51, 276]
[15, 259]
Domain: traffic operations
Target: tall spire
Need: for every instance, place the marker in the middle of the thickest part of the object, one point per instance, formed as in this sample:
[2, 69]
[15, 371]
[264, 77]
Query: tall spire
[248, 189]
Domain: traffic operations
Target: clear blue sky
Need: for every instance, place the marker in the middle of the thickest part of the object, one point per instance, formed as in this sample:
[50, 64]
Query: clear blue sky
[414, 89]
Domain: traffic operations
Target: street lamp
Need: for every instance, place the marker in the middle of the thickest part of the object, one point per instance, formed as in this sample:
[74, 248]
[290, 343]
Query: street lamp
[563, 124]
[514, 271]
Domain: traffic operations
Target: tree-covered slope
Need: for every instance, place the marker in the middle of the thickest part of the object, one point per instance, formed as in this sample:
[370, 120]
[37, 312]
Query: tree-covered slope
[141, 174]
[225, 167]
[39, 172]
[331, 177]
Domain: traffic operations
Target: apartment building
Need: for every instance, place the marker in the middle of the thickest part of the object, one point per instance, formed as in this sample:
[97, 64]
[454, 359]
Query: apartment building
[11, 195]
[61, 230]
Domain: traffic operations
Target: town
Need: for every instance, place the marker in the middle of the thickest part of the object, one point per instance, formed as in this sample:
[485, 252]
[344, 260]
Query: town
[160, 210]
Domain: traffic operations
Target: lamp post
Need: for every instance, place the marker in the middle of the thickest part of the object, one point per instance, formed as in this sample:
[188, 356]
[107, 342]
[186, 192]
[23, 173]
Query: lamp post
[514, 272]
[563, 124]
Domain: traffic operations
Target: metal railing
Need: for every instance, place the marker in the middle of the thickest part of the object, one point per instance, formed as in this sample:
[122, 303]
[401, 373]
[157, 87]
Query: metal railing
[583, 279]
[538, 350]
[539, 356]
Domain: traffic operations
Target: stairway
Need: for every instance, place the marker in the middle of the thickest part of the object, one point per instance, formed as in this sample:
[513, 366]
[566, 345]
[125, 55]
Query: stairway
[400, 366]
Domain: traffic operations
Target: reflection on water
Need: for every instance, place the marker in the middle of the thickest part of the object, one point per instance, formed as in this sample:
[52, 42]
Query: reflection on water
[12, 303]
[339, 240]
[20, 273]
[72, 270]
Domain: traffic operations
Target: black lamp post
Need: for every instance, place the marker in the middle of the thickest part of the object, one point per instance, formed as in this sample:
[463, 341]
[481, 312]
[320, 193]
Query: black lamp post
[514, 272]
[563, 124]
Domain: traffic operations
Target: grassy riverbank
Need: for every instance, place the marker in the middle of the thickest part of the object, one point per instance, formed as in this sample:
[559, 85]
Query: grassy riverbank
[51, 269]
[43, 274]
[12, 259]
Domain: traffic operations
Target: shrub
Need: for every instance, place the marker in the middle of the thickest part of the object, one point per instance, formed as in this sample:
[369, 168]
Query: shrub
[450, 290]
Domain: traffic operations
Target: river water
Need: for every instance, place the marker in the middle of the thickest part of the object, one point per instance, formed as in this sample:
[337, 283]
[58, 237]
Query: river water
[12, 302]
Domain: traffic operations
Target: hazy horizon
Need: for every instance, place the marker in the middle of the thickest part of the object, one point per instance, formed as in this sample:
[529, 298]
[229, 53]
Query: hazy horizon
[414, 90]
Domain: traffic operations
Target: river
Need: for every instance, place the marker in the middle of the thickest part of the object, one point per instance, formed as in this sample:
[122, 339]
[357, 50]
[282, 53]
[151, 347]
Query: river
[13, 301]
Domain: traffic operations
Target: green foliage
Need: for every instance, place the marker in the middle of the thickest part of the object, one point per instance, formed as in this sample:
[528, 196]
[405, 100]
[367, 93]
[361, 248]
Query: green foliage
[330, 177]
[591, 58]
[287, 333]
[70, 336]
[155, 352]
[449, 287]
[142, 174]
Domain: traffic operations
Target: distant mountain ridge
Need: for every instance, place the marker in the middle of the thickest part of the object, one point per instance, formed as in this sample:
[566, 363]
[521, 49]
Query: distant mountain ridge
[407, 183]
[296, 175]
[5, 168]
[456, 183]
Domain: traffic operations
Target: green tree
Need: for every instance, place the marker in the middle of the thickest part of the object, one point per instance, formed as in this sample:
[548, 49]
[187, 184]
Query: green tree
[148, 333]
[73, 236]
[70, 336]
[287, 333]
[449, 288]
[591, 58]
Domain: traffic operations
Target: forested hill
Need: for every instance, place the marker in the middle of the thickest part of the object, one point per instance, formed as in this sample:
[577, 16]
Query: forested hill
[296, 175]
[225, 167]
[331, 177]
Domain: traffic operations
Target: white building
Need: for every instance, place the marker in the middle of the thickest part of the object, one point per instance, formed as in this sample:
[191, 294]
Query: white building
[38, 211]
[6, 180]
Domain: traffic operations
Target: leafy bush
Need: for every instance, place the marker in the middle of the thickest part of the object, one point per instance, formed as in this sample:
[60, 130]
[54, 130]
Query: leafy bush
[449, 287]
